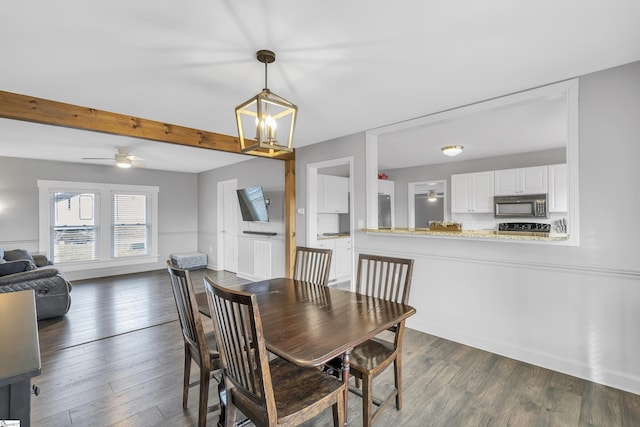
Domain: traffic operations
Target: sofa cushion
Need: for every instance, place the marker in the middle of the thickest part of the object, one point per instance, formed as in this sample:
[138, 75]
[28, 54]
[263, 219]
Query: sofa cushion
[17, 266]
[1, 253]
[16, 254]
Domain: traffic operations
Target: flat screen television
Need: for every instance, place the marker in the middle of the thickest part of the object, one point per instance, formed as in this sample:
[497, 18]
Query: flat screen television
[252, 204]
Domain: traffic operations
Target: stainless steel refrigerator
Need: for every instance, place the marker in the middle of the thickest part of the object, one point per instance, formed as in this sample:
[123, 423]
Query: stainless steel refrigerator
[384, 211]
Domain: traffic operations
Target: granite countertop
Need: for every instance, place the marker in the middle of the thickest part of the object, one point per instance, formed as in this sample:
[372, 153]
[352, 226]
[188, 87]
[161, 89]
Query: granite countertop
[480, 234]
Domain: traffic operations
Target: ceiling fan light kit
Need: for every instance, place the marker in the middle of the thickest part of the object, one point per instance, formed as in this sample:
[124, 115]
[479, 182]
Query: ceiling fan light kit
[270, 116]
[123, 158]
[452, 150]
[123, 162]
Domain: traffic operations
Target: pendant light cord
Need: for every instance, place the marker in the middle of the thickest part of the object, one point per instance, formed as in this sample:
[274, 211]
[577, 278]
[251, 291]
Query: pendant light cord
[265, 76]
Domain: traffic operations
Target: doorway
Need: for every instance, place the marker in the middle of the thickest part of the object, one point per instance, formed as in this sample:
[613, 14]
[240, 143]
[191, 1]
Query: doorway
[227, 246]
[427, 201]
[333, 227]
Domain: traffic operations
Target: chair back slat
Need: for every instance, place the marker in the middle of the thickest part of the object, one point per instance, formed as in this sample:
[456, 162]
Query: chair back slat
[312, 265]
[387, 278]
[238, 330]
[187, 306]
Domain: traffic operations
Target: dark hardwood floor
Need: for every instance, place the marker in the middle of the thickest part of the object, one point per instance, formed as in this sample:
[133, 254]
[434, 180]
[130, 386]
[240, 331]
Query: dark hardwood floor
[116, 359]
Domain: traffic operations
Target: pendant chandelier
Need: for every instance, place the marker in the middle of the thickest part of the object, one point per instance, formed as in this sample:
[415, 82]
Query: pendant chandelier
[270, 118]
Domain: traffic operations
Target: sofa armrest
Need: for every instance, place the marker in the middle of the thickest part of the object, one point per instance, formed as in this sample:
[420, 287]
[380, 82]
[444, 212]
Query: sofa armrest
[41, 260]
[28, 275]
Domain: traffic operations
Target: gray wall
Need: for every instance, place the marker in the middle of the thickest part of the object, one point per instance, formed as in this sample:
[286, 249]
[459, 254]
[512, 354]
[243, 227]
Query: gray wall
[256, 171]
[571, 309]
[177, 202]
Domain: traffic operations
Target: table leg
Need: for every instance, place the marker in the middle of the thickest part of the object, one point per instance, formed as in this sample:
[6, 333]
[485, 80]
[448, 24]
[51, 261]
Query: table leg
[345, 379]
[222, 394]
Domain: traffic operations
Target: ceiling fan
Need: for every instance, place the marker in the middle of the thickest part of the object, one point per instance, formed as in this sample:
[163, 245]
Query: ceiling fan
[123, 158]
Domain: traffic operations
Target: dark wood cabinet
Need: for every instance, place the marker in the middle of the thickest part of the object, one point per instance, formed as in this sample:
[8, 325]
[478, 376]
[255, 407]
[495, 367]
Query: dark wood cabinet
[19, 355]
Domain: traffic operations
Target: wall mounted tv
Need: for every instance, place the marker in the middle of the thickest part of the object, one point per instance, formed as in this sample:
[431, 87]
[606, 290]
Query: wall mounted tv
[253, 205]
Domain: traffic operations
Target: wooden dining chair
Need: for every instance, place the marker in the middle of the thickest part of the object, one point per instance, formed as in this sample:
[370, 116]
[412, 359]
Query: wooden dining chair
[198, 346]
[390, 279]
[312, 265]
[268, 393]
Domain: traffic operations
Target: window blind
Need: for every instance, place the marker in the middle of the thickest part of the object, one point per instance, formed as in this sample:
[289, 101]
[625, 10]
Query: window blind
[131, 225]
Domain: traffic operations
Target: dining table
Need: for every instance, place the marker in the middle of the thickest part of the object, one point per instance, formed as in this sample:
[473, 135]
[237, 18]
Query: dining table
[309, 324]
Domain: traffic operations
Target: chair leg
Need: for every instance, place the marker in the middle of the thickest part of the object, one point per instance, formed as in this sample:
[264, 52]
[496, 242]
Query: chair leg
[203, 405]
[230, 412]
[367, 400]
[187, 373]
[338, 411]
[397, 365]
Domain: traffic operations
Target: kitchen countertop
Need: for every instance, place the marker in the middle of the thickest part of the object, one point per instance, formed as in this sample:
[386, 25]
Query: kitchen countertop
[479, 234]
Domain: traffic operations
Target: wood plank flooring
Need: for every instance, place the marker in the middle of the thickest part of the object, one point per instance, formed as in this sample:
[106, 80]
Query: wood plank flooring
[116, 360]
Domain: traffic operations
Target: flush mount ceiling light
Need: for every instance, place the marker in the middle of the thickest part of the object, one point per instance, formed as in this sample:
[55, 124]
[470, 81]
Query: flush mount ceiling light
[271, 117]
[452, 150]
[432, 196]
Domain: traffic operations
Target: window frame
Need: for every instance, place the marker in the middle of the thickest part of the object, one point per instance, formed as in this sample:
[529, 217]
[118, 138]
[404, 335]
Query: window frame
[105, 256]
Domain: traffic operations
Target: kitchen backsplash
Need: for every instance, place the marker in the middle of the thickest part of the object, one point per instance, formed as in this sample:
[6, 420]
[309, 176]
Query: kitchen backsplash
[328, 223]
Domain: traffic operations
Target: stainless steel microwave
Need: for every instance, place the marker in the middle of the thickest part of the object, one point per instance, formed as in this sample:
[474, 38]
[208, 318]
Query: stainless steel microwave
[520, 206]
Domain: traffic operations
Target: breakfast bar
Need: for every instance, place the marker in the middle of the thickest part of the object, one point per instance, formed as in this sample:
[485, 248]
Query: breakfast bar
[472, 234]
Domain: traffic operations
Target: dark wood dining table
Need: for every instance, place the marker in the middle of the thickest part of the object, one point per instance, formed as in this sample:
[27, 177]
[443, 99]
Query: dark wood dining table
[309, 324]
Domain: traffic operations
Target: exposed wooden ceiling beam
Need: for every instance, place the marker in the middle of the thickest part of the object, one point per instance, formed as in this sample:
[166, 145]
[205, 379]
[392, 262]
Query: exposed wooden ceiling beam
[39, 110]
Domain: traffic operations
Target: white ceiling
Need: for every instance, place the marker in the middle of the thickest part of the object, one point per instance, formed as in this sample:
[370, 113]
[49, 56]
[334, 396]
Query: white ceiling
[349, 66]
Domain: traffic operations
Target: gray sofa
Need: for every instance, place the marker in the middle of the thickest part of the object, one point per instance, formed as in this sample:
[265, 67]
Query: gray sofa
[19, 270]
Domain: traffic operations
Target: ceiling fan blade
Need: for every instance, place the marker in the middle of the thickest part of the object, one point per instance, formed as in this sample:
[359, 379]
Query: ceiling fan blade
[97, 158]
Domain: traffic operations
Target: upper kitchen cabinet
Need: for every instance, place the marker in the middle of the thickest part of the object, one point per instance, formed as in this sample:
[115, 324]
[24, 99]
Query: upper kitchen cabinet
[333, 194]
[531, 180]
[472, 192]
[557, 200]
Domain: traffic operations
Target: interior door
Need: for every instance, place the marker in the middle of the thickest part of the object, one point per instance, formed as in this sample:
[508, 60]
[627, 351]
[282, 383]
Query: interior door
[230, 225]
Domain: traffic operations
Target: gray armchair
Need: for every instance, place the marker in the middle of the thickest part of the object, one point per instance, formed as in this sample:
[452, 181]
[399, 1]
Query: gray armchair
[20, 271]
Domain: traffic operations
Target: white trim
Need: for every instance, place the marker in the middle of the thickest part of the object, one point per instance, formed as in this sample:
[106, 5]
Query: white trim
[105, 258]
[312, 202]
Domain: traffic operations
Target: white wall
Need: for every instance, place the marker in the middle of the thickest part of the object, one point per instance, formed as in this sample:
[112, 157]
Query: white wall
[571, 309]
[177, 205]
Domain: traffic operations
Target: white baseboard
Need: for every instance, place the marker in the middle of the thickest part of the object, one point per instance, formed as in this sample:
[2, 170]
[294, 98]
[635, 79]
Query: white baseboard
[574, 368]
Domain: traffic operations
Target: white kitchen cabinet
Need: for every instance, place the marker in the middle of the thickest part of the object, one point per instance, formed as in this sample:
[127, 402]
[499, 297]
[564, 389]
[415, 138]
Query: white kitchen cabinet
[472, 192]
[557, 200]
[333, 194]
[330, 244]
[340, 258]
[531, 180]
[343, 259]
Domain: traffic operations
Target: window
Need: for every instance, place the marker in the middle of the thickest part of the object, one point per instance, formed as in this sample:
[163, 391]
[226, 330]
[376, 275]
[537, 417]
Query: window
[74, 234]
[89, 225]
[130, 225]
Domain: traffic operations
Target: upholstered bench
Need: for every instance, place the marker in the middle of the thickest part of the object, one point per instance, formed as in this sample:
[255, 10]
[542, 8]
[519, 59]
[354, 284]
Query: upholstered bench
[189, 260]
